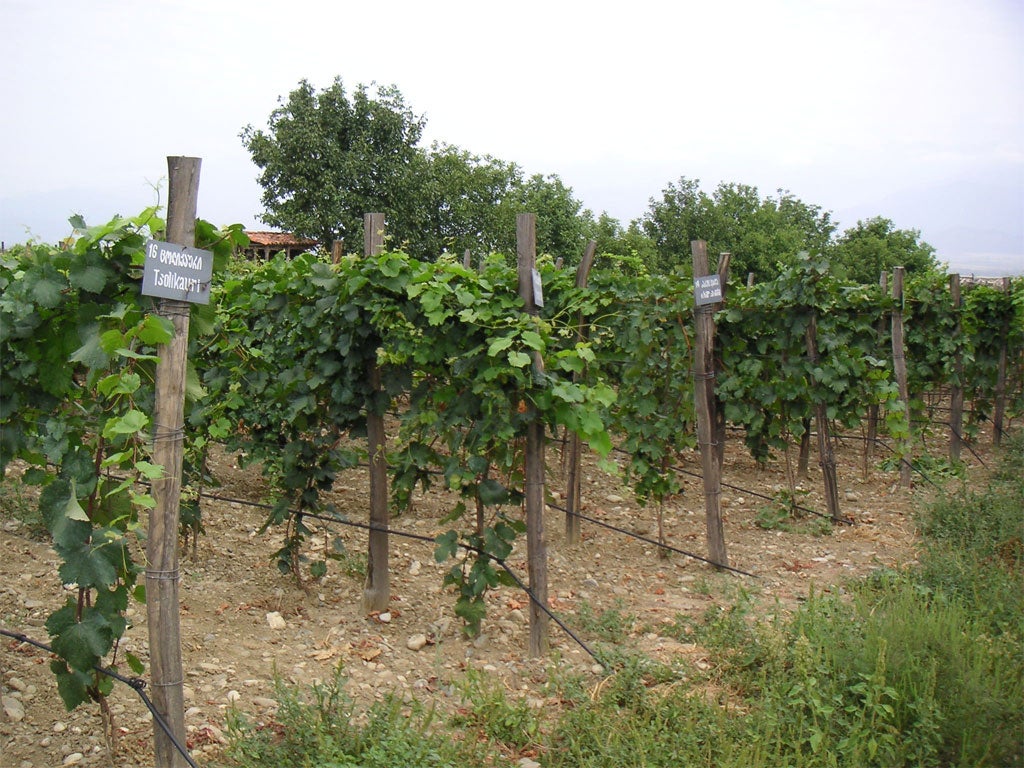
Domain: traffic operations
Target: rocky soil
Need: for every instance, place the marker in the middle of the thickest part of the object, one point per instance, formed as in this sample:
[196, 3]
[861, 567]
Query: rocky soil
[243, 623]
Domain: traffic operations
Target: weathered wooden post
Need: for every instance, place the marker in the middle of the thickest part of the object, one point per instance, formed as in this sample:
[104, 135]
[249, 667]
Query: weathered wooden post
[536, 554]
[826, 456]
[999, 413]
[956, 395]
[162, 604]
[899, 361]
[707, 294]
[377, 589]
[572, 495]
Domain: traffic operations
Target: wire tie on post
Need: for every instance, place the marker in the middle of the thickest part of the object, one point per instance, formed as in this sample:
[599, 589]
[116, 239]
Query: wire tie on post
[165, 685]
[168, 434]
[174, 575]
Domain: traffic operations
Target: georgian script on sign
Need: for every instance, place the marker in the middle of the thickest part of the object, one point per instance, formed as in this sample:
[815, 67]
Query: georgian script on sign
[177, 272]
[707, 290]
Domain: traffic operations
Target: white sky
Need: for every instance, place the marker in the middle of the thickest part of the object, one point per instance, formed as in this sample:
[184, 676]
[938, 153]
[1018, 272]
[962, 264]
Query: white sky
[909, 109]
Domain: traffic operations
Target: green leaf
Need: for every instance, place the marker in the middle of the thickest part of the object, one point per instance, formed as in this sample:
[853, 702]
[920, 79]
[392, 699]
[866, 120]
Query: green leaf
[492, 493]
[54, 501]
[74, 510]
[533, 340]
[91, 353]
[155, 329]
[91, 278]
[447, 546]
[47, 290]
[149, 471]
[83, 644]
[498, 345]
[518, 359]
[135, 663]
[132, 422]
[87, 565]
[124, 383]
[73, 687]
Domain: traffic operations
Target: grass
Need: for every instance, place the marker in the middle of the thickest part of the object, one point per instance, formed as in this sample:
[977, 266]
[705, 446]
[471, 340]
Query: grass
[918, 667]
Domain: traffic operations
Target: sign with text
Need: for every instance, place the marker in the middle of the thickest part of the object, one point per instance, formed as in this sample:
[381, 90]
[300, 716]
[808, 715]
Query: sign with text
[538, 289]
[177, 272]
[707, 290]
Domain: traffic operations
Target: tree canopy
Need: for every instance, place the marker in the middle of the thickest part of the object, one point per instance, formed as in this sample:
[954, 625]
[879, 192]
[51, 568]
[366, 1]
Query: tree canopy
[762, 234]
[328, 157]
[874, 246]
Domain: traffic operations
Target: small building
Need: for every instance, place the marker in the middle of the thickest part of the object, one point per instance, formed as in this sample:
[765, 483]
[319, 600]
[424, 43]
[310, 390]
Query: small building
[263, 245]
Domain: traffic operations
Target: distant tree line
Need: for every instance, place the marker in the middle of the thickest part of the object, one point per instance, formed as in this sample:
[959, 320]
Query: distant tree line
[327, 157]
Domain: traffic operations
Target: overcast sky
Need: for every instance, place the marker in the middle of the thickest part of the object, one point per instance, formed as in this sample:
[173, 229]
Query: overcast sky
[913, 110]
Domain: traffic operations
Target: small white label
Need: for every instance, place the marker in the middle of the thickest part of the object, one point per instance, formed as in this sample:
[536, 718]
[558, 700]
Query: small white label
[538, 289]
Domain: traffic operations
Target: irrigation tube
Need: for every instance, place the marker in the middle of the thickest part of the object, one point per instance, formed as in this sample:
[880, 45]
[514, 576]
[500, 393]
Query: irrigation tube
[469, 548]
[137, 684]
[658, 544]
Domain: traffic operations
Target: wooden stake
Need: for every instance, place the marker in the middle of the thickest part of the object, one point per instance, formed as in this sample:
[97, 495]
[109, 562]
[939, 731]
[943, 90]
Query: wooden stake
[572, 495]
[956, 396]
[704, 400]
[162, 575]
[999, 413]
[377, 589]
[536, 548]
[899, 361]
[826, 456]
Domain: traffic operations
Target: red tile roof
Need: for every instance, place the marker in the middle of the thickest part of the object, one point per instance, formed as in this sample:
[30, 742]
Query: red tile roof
[279, 239]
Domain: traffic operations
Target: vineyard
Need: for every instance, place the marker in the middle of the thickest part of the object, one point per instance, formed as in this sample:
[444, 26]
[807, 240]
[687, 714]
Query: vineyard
[429, 382]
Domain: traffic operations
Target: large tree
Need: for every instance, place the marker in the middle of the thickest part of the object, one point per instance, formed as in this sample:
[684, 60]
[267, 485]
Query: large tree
[762, 234]
[874, 246]
[328, 157]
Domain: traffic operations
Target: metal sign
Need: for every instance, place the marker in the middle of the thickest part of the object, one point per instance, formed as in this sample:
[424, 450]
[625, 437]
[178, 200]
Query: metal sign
[707, 290]
[177, 272]
[538, 289]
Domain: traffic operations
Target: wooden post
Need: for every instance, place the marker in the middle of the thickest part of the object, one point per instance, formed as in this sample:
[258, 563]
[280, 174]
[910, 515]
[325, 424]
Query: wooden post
[377, 589]
[467, 259]
[899, 361]
[162, 607]
[826, 456]
[704, 400]
[872, 436]
[536, 548]
[572, 495]
[337, 251]
[999, 413]
[956, 395]
[750, 279]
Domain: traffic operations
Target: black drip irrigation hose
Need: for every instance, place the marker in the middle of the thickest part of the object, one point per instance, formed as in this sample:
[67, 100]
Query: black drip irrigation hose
[681, 471]
[469, 547]
[658, 544]
[137, 684]
[903, 459]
